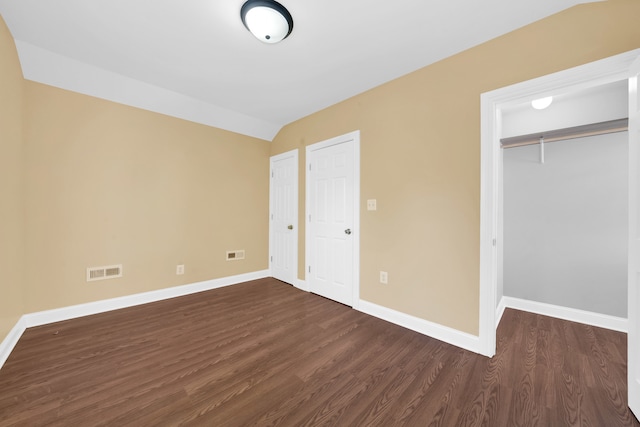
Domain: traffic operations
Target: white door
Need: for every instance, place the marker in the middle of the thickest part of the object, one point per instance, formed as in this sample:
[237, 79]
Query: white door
[332, 204]
[283, 219]
[633, 343]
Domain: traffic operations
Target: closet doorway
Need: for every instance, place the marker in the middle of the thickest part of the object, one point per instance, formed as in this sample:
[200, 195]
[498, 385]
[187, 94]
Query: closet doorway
[565, 206]
[575, 80]
[625, 66]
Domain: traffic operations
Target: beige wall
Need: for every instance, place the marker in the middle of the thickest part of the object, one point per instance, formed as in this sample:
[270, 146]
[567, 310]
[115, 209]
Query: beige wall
[99, 183]
[11, 193]
[87, 182]
[111, 184]
[420, 157]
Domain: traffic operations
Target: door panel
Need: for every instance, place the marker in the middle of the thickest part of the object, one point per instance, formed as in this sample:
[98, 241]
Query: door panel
[331, 221]
[283, 224]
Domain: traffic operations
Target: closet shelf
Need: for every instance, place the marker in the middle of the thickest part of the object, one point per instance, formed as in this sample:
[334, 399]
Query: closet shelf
[592, 129]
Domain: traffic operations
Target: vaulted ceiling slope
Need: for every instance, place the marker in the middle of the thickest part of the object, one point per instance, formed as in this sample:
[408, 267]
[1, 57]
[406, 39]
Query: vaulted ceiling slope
[195, 60]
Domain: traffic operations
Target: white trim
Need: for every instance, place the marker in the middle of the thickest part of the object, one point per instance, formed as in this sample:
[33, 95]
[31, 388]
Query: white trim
[43, 66]
[425, 327]
[633, 251]
[500, 310]
[71, 312]
[80, 310]
[356, 219]
[10, 341]
[272, 159]
[614, 323]
[302, 285]
[355, 137]
[488, 229]
[596, 73]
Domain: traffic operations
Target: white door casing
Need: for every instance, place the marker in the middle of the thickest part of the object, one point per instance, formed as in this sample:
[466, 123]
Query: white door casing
[283, 217]
[633, 338]
[597, 73]
[332, 216]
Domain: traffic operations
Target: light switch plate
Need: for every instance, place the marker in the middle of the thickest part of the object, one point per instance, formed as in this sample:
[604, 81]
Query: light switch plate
[384, 277]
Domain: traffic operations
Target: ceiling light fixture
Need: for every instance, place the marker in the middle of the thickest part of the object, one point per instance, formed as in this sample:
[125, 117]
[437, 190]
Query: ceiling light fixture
[268, 20]
[542, 103]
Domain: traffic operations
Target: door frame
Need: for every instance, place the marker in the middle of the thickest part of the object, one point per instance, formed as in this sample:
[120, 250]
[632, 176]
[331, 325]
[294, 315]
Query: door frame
[355, 137]
[272, 159]
[633, 338]
[596, 73]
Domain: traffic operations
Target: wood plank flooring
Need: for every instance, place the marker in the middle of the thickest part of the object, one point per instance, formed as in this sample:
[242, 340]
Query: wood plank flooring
[264, 353]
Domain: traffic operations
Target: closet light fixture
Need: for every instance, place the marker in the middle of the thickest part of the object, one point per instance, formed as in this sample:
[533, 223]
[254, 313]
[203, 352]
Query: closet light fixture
[267, 20]
[542, 103]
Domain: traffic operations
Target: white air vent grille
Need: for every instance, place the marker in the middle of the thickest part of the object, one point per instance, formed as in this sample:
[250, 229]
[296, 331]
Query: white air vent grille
[235, 255]
[106, 272]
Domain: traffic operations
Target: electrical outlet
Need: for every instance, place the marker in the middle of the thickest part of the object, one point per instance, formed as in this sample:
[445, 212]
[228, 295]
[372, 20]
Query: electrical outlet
[384, 277]
[180, 269]
[235, 255]
[372, 205]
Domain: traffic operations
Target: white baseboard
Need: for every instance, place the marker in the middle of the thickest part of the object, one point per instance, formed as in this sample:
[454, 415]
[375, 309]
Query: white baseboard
[302, 285]
[66, 313]
[72, 312]
[500, 310]
[425, 327]
[574, 315]
[10, 341]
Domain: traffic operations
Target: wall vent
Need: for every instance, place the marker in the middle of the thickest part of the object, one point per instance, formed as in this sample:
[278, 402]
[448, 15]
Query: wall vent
[106, 272]
[235, 255]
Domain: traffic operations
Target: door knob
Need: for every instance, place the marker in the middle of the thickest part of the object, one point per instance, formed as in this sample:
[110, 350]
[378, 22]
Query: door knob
[290, 227]
[347, 231]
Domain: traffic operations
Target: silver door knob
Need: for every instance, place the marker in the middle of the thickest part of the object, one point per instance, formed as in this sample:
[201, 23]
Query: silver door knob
[290, 227]
[347, 231]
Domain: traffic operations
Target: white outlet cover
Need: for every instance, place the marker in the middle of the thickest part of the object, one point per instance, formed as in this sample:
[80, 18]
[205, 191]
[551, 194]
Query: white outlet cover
[180, 269]
[372, 204]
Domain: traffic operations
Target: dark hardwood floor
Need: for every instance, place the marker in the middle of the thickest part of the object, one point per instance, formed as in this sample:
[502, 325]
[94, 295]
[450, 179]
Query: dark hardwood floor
[264, 353]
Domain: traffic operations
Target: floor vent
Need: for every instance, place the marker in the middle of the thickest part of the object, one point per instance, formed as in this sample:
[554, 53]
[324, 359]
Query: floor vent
[234, 255]
[106, 272]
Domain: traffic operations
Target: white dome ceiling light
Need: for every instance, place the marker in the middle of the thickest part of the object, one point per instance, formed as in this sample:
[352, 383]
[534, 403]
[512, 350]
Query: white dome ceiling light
[268, 20]
[542, 103]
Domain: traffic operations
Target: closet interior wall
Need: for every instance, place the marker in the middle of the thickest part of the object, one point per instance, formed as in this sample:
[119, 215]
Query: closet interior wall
[565, 220]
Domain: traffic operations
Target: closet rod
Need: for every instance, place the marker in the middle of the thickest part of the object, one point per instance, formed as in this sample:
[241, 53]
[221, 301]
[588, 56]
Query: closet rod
[601, 128]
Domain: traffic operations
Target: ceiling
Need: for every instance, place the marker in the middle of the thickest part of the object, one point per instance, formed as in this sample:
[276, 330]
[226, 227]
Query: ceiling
[195, 60]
